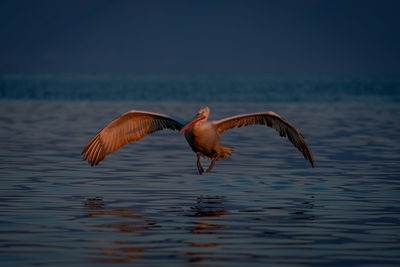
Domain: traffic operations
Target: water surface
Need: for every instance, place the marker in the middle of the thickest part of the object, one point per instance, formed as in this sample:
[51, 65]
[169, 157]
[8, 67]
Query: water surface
[146, 204]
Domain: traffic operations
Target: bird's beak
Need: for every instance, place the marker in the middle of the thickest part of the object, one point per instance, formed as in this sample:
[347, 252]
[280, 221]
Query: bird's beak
[190, 124]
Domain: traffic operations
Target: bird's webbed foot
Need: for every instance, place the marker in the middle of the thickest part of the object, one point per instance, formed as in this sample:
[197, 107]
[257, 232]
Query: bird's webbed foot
[211, 166]
[201, 170]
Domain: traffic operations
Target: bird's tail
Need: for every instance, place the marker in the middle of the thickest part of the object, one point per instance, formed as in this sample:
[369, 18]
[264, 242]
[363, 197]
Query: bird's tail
[225, 152]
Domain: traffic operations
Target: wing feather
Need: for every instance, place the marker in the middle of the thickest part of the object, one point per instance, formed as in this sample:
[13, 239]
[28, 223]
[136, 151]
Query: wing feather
[273, 120]
[129, 127]
[94, 152]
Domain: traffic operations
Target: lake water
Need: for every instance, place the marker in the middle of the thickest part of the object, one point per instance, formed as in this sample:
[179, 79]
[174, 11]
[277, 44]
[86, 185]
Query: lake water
[146, 205]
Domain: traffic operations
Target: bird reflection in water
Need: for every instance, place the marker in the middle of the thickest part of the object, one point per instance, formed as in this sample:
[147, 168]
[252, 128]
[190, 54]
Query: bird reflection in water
[208, 210]
[126, 220]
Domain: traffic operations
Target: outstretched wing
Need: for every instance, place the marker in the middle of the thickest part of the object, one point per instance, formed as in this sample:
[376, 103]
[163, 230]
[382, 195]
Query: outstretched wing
[129, 127]
[271, 119]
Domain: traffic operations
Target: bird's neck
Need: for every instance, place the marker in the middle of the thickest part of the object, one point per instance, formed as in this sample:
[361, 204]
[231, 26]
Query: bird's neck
[199, 125]
[201, 122]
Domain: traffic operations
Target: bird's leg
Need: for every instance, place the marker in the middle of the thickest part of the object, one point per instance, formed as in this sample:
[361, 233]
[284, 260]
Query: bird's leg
[211, 165]
[199, 167]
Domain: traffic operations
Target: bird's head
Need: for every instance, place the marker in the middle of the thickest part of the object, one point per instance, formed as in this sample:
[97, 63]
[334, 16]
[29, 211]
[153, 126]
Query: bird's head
[202, 115]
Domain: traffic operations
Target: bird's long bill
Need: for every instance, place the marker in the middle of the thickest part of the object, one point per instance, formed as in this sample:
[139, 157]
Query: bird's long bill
[190, 124]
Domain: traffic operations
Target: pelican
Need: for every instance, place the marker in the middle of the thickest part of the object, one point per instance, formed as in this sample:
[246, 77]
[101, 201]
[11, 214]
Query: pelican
[202, 135]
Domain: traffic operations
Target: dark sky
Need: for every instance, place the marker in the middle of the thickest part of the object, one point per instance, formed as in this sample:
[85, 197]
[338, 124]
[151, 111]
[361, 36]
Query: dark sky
[280, 38]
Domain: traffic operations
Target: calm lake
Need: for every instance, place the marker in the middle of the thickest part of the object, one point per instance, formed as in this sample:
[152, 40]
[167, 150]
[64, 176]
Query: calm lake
[146, 205]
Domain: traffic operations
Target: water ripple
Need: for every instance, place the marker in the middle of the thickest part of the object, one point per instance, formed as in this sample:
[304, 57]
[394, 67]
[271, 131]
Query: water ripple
[146, 204]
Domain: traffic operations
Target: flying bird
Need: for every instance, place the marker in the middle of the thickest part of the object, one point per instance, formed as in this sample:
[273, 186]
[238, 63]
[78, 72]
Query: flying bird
[202, 135]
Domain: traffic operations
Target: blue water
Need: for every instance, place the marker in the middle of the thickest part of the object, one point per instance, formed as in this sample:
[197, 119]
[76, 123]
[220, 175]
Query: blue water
[146, 205]
[198, 89]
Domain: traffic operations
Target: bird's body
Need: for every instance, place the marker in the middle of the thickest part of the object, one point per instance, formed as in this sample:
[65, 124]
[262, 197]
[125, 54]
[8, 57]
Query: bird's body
[204, 140]
[202, 135]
